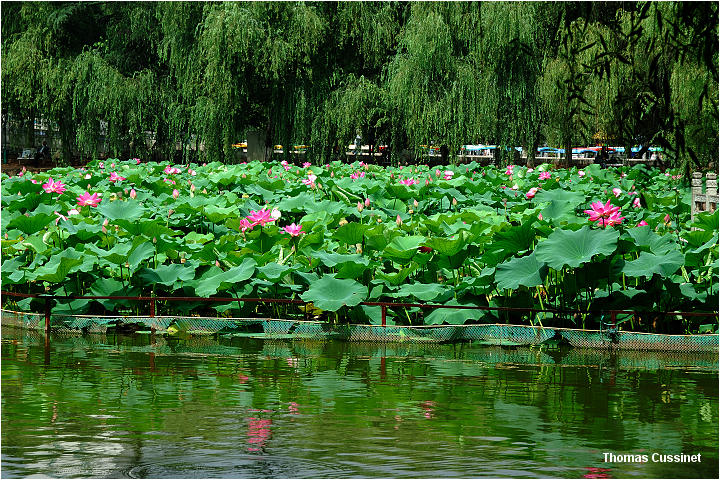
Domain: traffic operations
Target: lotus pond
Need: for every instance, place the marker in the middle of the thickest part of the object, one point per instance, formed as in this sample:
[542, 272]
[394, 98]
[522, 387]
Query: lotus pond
[339, 234]
[143, 407]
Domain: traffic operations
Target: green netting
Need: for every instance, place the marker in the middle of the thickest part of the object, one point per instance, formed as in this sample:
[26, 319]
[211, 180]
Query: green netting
[489, 334]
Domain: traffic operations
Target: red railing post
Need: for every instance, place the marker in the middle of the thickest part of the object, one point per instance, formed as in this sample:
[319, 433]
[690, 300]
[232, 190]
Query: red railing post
[613, 319]
[383, 310]
[47, 316]
[152, 307]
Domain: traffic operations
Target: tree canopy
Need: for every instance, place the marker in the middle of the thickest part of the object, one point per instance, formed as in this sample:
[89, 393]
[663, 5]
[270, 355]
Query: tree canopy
[149, 76]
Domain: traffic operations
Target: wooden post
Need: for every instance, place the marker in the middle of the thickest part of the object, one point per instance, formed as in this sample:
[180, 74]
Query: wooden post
[383, 309]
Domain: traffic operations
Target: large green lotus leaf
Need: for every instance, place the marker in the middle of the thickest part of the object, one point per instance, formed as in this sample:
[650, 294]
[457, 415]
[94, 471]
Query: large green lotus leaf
[141, 251]
[330, 259]
[273, 271]
[706, 221]
[57, 268]
[130, 210]
[425, 292]
[106, 287]
[515, 240]
[658, 244]
[195, 237]
[350, 233]
[168, 274]
[401, 192]
[352, 269]
[147, 227]
[396, 278]
[330, 293]
[403, 248]
[452, 316]
[648, 264]
[560, 196]
[699, 239]
[567, 248]
[12, 270]
[295, 203]
[31, 224]
[83, 231]
[448, 246]
[218, 214]
[526, 271]
[34, 242]
[215, 279]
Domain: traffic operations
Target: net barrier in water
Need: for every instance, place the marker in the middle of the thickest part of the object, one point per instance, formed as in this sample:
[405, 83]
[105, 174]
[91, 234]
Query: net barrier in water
[281, 329]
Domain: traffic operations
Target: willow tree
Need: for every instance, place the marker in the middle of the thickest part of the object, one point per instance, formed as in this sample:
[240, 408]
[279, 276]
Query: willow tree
[516, 37]
[433, 81]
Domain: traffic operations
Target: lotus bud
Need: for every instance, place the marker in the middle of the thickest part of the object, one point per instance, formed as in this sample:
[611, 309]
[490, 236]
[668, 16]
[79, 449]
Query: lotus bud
[133, 193]
[332, 174]
[175, 193]
[320, 185]
[204, 190]
[89, 187]
[217, 263]
[154, 239]
[360, 206]
[243, 175]
[105, 222]
[398, 220]
[454, 201]
[367, 202]
[415, 203]
[6, 236]
[170, 212]
[358, 248]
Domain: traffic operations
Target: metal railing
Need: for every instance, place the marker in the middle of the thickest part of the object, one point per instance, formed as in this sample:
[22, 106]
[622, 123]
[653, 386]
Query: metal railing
[383, 305]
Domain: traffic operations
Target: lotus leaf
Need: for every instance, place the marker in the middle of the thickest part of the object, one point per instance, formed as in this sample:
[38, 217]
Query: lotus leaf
[330, 293]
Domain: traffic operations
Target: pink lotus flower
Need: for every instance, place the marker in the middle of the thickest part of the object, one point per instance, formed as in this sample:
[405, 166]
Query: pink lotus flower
[509, 170]
[544, 176]
[245, 225]
[137, 161]
[53, 187]
[636, 203]
[531, 193]
[409, 181]
[540, 217]
[667, 219]
[448, 174]
[617, 192]
[602, 213]
[357, 175]
[59, 216]
[642, 223]
[175, 193]
[101, 165]
[88, 200]
[306, 165]
[115, 177]
[581, 174]
[293, 230]
[260, 217]
[614, 219]
[171, 170]
[398, 220]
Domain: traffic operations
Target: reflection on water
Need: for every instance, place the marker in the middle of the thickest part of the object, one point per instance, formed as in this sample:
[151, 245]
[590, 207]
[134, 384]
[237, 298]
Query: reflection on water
[143, 407]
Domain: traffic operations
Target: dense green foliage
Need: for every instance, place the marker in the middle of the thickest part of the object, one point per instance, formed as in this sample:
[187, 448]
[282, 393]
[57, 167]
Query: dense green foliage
[458, 236]
[509, 73]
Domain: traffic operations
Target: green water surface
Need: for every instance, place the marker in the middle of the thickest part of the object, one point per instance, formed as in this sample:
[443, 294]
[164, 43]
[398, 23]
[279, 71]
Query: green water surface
[142, 407]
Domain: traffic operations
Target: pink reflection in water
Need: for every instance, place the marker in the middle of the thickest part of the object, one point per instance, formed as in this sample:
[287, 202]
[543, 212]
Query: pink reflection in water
[428, 407]
[258, 433]
[597, 472]
[293, 408]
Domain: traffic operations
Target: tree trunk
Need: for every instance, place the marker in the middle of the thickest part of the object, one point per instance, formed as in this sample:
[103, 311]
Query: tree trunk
[531, 155]
[568, 152]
